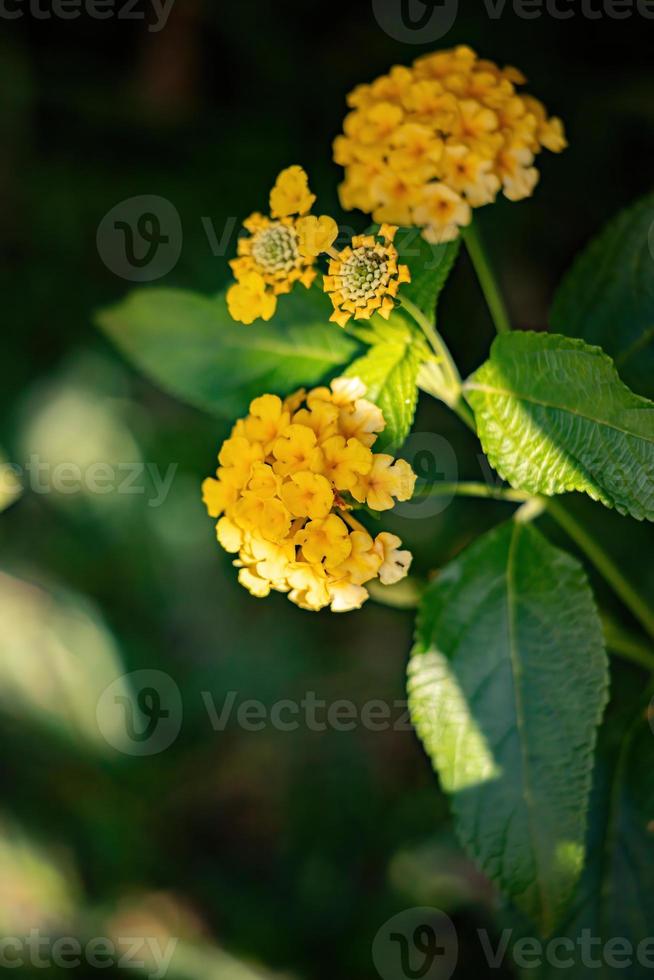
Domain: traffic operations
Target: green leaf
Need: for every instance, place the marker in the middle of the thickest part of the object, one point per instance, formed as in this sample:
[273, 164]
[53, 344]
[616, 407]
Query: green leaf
[189, 345]
[553, 416]
[607, 297]
[390, 372]
[507, 685]
[615, 897]
[430, 266]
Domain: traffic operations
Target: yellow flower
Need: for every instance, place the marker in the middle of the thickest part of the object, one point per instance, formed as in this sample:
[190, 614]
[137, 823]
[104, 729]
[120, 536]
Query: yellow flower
[325, 540]
[288, 478]
[237, 455]
[291, 194]
[394, 564]
[297, 449]
[386, 479]
[451, 124]
[269, 259]
[248, 300]
[345, 462]
[363, 562]
[308, 495]
[262, 515]
[441, 212]
[365, 279]
[316, 235]
[268, 418]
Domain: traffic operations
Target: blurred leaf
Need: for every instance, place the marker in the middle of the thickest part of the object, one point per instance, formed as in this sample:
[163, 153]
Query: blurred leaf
[10, 485]
[430, 266]
[390, 373]
[607, 297]
[507, 685]
[56, 659]
[553, 416]
[37, 890]
[190, 346]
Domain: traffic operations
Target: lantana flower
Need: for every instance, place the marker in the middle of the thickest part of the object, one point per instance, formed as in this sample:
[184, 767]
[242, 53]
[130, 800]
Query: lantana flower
[289, 478]
[270, 260]
[427, 144]
[364, 278]
[284, 248]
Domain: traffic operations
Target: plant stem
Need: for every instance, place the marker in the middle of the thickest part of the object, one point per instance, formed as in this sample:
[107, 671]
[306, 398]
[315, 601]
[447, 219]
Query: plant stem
[475, 490]
[486, 278]
[450, 390]
[621, 641]
[604, 565]
[438, 345]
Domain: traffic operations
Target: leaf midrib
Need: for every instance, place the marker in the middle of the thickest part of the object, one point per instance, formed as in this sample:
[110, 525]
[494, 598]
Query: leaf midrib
[516, 671]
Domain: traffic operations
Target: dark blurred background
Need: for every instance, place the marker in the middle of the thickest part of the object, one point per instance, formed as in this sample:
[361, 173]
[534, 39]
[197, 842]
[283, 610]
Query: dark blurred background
[263, 851]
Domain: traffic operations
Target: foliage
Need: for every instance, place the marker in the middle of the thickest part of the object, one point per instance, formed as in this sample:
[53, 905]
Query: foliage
[508, 679]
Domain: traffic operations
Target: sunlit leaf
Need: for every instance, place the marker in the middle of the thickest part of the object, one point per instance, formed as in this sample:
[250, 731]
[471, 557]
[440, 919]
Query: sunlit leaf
[553, 416]
[507, 685]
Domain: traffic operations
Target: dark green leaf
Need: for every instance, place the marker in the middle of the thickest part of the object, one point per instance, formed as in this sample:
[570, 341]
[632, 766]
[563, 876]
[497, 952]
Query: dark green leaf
[189, 345]
[553, 416]
[615, 897]
[430, 266]
[607, 297]
[507, 685]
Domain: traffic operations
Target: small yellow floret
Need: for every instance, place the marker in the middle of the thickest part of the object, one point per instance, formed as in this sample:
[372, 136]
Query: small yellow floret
[291, 194]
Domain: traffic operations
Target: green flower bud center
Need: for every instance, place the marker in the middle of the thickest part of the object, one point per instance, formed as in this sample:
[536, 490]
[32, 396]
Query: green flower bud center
[364, 274]
[275, 249]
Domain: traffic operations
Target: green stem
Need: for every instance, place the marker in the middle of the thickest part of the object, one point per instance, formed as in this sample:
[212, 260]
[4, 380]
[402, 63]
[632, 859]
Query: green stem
[604, 564]
[486, 278]
[438, 345]
[475, 490]
[623, 642]
[450, 390]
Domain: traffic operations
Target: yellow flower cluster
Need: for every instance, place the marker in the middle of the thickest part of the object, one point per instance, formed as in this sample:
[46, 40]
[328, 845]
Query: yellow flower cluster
[284, 491]
[283, 249]
[280, 250]
[424, 145]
